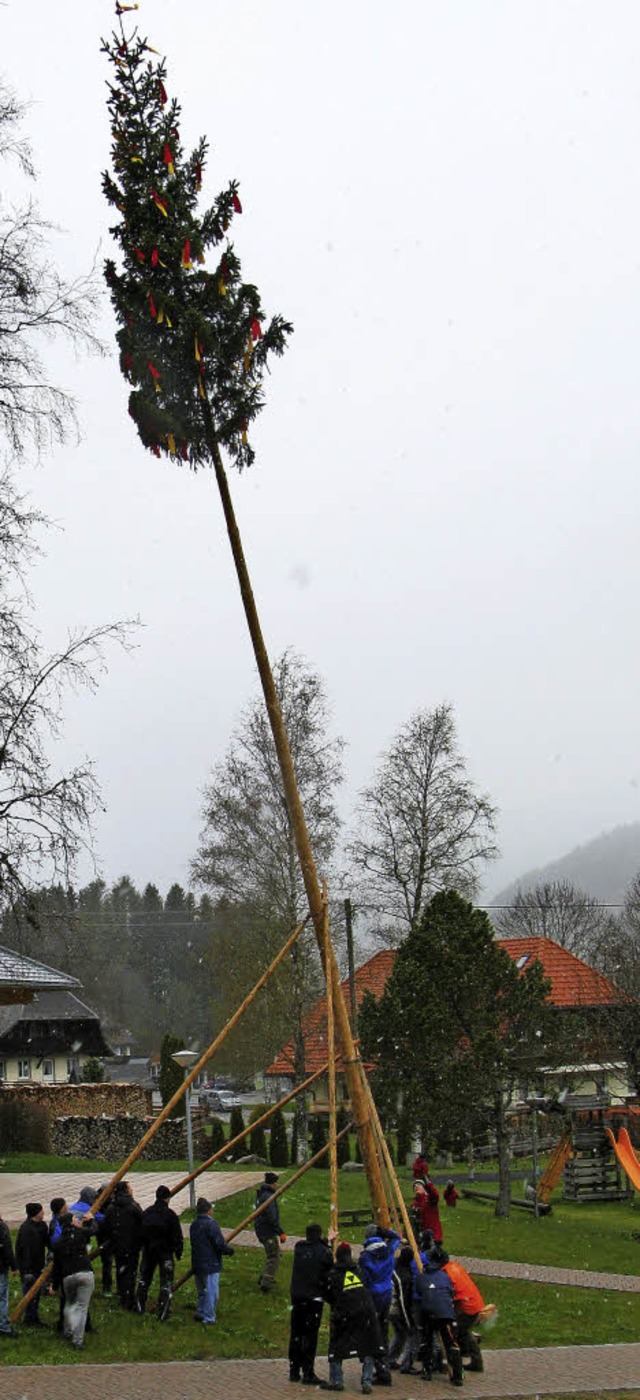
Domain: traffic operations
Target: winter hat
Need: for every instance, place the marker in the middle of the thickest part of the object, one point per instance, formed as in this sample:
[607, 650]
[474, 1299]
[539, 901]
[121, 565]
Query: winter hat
[314, 1233]
[426, 1240]
[343, 1253]
[371, 1231]
[88, 1195]
[162, 1193]
[271, 1178]
[55, 1206]
[33, 1208]
[203, 1205]
[405, 1256]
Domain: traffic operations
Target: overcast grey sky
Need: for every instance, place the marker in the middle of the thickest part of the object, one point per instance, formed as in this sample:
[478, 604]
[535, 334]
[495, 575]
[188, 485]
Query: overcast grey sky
[444, 198]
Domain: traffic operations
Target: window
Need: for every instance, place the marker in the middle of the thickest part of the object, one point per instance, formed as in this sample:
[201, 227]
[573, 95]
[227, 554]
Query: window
[3, 1071]
[47, 1069]
[522, 960]
[24, 1069]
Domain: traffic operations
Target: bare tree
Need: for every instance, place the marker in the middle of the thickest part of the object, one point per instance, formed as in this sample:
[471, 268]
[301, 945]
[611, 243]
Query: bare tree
[247, 855]
[421, 825]
[557, 909]
[36, 303]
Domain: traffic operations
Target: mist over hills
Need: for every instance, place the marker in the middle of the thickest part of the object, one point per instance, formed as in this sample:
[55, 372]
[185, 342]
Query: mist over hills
[602, 868]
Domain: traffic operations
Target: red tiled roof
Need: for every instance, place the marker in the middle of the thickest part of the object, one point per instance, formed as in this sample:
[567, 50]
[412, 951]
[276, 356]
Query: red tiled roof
[573, 983]
[371, 977]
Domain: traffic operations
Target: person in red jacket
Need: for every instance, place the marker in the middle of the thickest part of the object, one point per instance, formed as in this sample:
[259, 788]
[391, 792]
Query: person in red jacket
[450, 1194]
[420, 1168]
[424, 1208]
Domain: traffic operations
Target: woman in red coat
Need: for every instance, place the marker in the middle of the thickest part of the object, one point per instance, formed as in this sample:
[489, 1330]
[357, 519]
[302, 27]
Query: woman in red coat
[424, 1208]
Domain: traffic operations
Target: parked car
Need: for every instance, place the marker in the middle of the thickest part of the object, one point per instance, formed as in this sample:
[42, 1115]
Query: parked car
[217, 1100]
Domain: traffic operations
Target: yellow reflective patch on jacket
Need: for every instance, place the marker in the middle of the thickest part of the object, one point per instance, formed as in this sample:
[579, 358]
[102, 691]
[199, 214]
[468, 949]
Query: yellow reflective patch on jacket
[351, 1281]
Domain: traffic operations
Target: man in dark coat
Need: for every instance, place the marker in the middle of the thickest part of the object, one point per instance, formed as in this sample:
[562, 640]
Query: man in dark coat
[122, 1233]
[31, 1248]
[161, 1243]
[312, 1261]
[7, 1265]
[354, 1329]
[269, 1231]
[208, 1245]
[73, 1274]
[436, 1315]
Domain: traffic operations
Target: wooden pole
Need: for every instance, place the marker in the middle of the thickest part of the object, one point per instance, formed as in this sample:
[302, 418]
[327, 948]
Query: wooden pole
[384, 1147]
[275, 1196]
[223, 1151]
[348, 919]
[333, 1145]
[356, 1079]
[175, 1099]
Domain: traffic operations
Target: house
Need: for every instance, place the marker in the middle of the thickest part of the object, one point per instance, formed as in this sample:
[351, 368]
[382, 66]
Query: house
[21, 978]
[575, 988]
[49, 1039]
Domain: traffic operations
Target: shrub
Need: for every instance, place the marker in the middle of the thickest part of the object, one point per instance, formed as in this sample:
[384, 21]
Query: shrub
[404, 1137]
[217, 1138]
[278, 1145]
[236, 1125]
[258, 1142]
[171, 1076]
[318, 1140]
[93, 1071]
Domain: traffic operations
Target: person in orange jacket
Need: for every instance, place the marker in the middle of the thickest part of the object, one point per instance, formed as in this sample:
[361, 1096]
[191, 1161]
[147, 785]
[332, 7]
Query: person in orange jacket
[468, 1303]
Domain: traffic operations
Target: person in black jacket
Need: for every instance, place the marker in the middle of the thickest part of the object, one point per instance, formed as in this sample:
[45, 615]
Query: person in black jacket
[161, 1242]
[7, 1265]
[72, 1272]
[31, 1248]
[122, 1233]
[312, 1261]
[401, 1316]
[269, 1231]
[354, 1330]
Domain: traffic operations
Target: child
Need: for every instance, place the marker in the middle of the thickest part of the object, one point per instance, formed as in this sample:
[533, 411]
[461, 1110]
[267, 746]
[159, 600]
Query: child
[450, 1194]
[433, 1291]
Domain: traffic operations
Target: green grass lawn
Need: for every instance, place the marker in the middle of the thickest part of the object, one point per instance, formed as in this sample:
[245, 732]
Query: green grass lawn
[253, 1325]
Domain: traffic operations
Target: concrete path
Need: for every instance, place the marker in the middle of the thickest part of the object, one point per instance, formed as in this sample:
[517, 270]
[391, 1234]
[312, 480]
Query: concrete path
[532, 1371]
[16, 1188]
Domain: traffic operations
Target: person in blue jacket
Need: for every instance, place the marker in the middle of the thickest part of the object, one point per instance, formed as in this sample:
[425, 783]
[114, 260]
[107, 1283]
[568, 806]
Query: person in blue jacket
[208, 1245]
[376, 1264]
[435, 1314]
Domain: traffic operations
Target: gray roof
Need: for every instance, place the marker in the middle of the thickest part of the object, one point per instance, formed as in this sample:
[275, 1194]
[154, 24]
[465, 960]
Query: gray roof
[18, 971]
[48, 1006]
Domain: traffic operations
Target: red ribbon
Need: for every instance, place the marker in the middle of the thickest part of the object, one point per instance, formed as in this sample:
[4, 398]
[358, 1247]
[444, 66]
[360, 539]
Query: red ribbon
[236, 204]
[256, 329]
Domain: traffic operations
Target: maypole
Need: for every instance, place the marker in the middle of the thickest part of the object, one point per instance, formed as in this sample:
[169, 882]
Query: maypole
[194, 344]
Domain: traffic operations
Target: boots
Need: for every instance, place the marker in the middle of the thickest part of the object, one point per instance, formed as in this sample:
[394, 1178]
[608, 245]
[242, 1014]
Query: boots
[455, 1362]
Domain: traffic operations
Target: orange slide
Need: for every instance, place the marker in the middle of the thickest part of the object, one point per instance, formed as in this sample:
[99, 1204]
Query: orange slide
[627, 1158]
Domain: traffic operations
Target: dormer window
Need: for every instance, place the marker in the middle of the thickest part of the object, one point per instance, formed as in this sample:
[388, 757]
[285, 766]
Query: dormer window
[524, 958]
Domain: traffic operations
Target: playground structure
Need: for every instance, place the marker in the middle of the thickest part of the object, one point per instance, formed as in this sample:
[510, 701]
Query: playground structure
[594, 1164]
[627, 1157]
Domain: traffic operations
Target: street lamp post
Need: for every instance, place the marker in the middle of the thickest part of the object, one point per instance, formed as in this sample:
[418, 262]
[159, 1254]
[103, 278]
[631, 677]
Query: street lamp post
[186, 1059]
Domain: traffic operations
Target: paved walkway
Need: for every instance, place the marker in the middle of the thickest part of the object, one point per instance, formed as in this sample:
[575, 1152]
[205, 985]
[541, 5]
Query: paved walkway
[532, 1371]
[16, 1188]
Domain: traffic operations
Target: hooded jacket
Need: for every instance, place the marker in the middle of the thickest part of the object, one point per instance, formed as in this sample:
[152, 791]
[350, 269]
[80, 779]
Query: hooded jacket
[123, 1223]
[31, 1246]
[267, 1225]
[466, 1294]
[424, 1209]
[70, 1250]
[312, 1260]
[376, 1261]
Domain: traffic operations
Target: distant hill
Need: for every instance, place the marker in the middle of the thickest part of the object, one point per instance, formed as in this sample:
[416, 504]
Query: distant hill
[602, 868]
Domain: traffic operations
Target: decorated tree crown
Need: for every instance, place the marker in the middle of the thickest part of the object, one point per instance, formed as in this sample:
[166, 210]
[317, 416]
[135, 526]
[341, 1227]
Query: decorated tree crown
[193, 339]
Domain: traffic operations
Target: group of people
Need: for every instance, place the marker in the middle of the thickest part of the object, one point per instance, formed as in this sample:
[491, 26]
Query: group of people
[431, 1307]
[133, 1243]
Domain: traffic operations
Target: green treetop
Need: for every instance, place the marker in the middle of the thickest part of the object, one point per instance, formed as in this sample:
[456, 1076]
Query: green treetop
[193, 337]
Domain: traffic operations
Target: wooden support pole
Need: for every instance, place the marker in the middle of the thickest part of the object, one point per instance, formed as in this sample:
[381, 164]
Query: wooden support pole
[333, 1144]
[275, 1196]
[384, 1147]
[168, 1108]
[223, 1151]
[354, 1071]
[348, 920]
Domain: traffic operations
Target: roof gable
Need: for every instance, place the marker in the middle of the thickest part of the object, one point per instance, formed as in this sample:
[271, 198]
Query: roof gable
[18, 971]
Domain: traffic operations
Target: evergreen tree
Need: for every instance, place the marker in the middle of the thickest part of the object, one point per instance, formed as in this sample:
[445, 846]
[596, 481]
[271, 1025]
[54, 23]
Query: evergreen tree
[171, 1075]
[278, 1145]
[236, 1125]
[343, 1147]
[193, 338]
[217, 1138]
[318, 1140]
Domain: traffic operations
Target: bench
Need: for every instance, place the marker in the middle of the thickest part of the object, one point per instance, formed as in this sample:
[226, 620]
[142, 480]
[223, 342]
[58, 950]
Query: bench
[361, 1215]
[543, 1206]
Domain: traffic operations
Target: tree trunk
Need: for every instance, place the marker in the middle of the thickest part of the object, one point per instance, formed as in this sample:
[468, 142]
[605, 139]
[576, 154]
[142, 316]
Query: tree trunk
[503, 1202]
